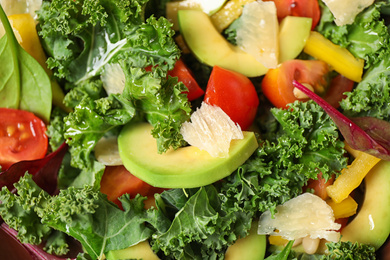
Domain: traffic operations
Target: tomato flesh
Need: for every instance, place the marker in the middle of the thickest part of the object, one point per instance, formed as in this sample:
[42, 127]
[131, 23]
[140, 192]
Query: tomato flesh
[338, 86]
[183, 73]
[301, 8]
[117, 180]
[277, 83]
[22, 137]
[235, 94]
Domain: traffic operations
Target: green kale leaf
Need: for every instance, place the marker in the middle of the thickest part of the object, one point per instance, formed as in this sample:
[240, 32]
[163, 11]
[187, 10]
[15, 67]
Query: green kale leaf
[306, 143]
[349, 251]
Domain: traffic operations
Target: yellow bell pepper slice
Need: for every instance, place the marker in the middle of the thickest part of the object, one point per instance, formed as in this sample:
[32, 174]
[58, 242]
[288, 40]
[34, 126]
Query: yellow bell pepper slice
[228, 13]
[26, 33]
[340, 59]
[344, 209]
[352, 176]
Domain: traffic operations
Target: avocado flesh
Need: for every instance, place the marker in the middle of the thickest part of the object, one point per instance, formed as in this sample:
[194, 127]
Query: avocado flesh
[211, 48]
[138, 251]
[186, 167]
[251, 247]
[293, 34]
[371, 225]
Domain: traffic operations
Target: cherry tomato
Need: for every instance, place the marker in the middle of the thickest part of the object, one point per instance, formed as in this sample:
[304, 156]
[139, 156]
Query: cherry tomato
[234, 93]
[184, 75]
[117, 180]
[319, 186]
[338, 86]
[302, 8]
[22, 137]
[277, 83]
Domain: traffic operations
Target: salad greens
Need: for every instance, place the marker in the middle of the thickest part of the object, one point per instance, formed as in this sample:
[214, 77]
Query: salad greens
[24, 83]
[295, 145]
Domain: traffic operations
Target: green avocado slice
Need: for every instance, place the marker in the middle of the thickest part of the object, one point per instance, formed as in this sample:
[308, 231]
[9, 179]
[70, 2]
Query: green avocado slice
[186, 167]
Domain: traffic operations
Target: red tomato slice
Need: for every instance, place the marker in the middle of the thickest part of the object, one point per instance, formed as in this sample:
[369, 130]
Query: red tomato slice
[22, 137]
[117, 180]
[277, 83]
[302, 8]
[338, 86]
[319, 186]
[184, 75]
[235, 94]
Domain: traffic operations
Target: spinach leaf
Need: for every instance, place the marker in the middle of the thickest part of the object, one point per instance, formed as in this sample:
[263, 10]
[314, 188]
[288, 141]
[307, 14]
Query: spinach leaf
[24, 83]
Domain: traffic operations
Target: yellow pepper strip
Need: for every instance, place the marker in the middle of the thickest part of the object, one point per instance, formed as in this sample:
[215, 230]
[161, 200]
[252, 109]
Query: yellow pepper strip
[340, 59]
[26, 33]
[228, 13]
[277, 240]
[351, 177]
[344, 209]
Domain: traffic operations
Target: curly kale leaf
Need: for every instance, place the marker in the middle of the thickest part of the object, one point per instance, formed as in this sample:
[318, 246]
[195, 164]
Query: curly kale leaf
[349, 251]
[306, 143]
[367, 38]
[199, 228]
[371, 97]
[19, 211]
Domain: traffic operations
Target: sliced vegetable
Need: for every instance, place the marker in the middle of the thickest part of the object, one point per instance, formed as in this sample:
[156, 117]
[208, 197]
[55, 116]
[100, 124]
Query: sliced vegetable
[117, 181]
[351, 177]
[22, 137]
[340, 59]
[318, 186]
[228, 13]
[183, 73]
[186, 167]
[344, 209]
[235, 94]
[302, 8]
[221, 53]
[335, 93]
[277, 83]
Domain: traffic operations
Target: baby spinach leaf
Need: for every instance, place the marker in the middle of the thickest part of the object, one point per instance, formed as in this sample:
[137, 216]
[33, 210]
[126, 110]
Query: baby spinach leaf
[24, 83]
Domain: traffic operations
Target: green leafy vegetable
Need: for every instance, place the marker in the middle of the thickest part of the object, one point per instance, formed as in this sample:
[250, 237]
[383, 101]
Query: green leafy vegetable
[305, 143]
[24, 83]
[349, 251]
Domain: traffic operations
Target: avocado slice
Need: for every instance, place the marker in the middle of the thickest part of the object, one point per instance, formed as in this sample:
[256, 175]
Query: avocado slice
[251, 247]
[138, 251]
[293, 34]
[211, 48]
[186, 167]
[372, 223]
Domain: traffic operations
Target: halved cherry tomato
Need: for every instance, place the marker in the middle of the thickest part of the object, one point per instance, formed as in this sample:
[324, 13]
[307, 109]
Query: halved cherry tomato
[234, 93]
[183, 73]
[338, 86]
[277, 83]
[302, 8]
[22, 137]
[117, 180]
[319, 186]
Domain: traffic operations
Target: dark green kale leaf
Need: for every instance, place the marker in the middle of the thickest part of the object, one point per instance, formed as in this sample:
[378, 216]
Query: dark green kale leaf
[367, 38]
[19, 212]
[371, 97]
[199, 227]
[306, 143]
[349, 251]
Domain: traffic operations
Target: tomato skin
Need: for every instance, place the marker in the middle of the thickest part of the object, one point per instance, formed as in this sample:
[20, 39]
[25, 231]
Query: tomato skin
[338, 86]
[22, 137]
[235, 94]
[301, 8]
[117, 180]
[319, 186]
[184, 75]
[277, 83]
